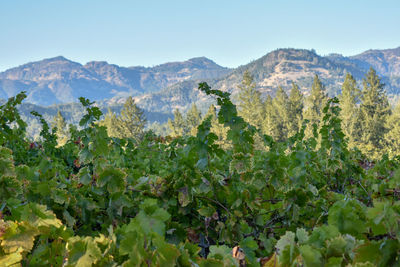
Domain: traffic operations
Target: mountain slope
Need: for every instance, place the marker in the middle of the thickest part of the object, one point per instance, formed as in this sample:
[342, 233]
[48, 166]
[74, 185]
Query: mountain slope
[386, 62]
[174, 85]
[277, 68]
[59, 80]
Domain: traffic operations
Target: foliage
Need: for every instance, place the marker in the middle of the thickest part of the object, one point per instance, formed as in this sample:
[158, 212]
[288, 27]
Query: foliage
[374, 111]
[131, 122]
[62, 130]
[350, 112]
[296, 106]
[249, 101]
[314, 104]
[187, 201]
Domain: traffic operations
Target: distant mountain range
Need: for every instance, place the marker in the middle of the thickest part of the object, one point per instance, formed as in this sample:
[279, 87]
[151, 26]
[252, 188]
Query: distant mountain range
[280, 68]
[174, 85]
[59, 80]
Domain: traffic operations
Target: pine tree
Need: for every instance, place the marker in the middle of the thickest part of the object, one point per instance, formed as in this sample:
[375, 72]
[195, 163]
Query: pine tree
[131, 122]
[62, 131]
[110, 121]
[349, 113]
[392, 137]
[249, 103]
[269, 125]
[374, 110]
[218, 129]
[296, 106]
[177, 126]
[280, 107]
[193, 119]
[315, 103]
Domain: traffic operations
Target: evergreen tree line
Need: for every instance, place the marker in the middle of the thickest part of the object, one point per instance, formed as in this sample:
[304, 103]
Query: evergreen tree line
[130, 123]
[368, 121]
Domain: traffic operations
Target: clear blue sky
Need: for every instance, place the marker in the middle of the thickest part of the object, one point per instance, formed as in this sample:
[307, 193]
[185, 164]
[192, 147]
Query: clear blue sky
[149, 32]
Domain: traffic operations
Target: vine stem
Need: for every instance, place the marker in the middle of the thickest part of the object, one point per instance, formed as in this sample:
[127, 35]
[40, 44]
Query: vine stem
[216, 202]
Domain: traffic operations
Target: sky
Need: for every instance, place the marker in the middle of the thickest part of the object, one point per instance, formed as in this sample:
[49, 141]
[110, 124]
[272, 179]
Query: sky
[150, 32]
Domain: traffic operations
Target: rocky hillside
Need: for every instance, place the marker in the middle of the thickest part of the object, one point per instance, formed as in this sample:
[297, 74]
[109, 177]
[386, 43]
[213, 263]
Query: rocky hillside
[59, 80]
[280, 68]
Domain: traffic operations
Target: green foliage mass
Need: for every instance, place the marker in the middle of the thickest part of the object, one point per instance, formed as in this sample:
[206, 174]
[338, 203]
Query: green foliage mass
[314, 104]
[350, 112]
[129, 124]
[374, 111]
[190, 200]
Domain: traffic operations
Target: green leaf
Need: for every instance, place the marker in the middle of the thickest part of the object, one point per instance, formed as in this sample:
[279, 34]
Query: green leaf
[336, 247]
[286, 248]
[83, 251]
[206, 211]
[368, 252]
[85, 176]
[302, 235]
[68, 218]
[130, 242]
[113, 179]
[222, 253]
[320, 234]
[334, 262]
[38, 216]
[184, 197]
[311, 256]
[167, 254]
[348, 216]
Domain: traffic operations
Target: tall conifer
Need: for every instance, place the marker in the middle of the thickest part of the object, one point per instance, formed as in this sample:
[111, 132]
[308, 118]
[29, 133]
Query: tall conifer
[374, 110]
[193, 119]
[217, 128]
[269, 122]
[392, 137]
[315, 103]
[177, 126]
[131, 121]
[280, 108]
[349, 113]
[62, 131]
[296, 106]
[249, 102]
[111, 123]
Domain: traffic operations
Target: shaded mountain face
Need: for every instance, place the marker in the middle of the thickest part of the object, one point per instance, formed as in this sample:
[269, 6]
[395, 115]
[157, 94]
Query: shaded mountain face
[386, 62]
[59, 80]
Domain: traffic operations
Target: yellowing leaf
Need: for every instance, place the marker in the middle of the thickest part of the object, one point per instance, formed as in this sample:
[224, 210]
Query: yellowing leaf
[272, 262]
[12, 259]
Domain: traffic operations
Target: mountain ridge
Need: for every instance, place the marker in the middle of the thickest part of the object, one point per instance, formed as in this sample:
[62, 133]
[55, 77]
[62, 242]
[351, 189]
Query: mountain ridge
[60, 80]
[171, 85]
[280, 67]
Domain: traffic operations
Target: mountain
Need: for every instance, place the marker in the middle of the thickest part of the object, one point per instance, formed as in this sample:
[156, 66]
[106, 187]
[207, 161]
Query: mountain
[280, 68]
[386, 62]
[163, 88]
[59, 80]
